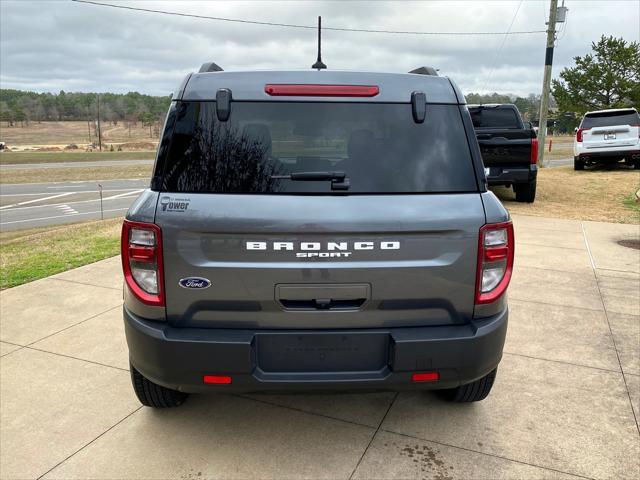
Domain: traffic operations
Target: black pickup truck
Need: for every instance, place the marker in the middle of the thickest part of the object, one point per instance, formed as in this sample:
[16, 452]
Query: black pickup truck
[509, 148]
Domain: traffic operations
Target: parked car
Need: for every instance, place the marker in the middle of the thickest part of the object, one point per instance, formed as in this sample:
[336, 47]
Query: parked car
[316, 230]
[509, 148]
[608, 137]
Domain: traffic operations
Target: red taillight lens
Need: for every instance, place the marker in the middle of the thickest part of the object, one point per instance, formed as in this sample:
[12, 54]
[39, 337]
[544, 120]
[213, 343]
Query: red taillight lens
[290, 90]
[579, 134]
[217, 379]
[495, 261]
[425, 377]
[141, 252]
[534, 151]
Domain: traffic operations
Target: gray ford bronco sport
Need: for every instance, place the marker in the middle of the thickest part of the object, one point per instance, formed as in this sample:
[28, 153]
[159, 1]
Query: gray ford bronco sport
[316, 230]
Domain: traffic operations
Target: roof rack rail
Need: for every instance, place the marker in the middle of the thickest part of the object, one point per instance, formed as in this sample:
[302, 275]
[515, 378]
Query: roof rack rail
[210, 67]
[425, 71]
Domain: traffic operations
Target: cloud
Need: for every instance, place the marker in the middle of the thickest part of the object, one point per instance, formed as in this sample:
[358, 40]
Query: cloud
[54, 45]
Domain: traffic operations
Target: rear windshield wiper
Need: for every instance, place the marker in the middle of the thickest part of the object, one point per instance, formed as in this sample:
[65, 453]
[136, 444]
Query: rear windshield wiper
[339, 180]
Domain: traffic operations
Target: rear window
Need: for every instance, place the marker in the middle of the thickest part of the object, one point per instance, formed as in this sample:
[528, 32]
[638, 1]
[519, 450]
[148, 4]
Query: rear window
[377, 146]
[608, 119]
[492, 117]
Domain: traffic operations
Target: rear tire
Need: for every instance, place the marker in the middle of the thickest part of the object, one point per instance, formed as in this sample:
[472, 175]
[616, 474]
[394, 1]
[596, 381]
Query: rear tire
[525, 192]
[471, 392]
[578, 164]
[154, 395]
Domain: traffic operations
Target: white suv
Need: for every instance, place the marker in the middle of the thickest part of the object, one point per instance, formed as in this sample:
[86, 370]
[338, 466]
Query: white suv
[608, 136]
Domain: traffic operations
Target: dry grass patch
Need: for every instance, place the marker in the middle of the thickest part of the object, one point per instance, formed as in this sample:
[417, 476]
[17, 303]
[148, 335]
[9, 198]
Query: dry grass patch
[28, 255]
[63, 133]
[594, 194]
[19, 158]
[562, 147]
[40, 175]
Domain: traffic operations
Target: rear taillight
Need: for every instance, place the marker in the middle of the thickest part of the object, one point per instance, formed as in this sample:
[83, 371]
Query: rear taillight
[534, 151]
[141, 251]
[297, 90]
[579, 134]
[495, 261]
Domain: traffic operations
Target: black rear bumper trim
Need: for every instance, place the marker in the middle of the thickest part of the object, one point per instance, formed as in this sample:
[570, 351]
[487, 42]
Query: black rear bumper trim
[177, 358]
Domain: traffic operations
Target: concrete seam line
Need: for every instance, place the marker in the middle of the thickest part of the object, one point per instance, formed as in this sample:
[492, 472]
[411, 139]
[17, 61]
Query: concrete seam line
[511, 297]
[606, 317]
[485, 453]
[561, 361]
[86, 445]
[75, 324]
[82, 283]
[295, 409]
[77, 358]
[355, 469]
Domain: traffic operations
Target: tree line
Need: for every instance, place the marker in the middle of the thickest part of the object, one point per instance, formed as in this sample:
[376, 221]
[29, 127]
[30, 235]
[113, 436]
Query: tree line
[22, 107]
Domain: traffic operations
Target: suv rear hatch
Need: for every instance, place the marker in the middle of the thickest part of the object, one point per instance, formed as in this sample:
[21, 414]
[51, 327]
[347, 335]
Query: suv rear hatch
[319, 215]
[619, 128]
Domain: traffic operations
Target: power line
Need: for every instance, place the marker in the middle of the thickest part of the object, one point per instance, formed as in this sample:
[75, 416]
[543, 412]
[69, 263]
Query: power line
[289, 25]
[499, 51]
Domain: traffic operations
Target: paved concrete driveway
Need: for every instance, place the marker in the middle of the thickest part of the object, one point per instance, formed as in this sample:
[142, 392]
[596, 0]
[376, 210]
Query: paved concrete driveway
[565, 404]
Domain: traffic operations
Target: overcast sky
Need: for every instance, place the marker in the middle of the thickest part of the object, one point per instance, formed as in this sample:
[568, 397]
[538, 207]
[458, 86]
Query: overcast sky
[49, 45]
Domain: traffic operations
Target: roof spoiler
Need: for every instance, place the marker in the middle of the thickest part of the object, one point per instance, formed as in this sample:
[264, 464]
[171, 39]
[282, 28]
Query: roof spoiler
[425, 71]
[210, 67]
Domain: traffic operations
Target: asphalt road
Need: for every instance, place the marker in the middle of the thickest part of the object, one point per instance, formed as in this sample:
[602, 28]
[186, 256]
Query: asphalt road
[41, 204]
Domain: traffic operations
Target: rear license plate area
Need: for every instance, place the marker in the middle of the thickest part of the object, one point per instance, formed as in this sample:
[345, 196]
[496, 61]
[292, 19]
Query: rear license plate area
[322, 352]
[609, 136]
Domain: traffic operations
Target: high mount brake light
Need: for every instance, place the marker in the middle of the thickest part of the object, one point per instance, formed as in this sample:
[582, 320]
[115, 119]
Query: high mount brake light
[495, 261]
[291, 90]
[141, 252]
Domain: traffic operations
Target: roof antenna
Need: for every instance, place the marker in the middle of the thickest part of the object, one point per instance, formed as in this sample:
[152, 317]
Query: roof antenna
[319, 65]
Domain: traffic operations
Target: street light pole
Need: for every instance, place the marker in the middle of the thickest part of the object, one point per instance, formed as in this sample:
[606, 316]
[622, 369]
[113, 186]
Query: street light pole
[546, 82]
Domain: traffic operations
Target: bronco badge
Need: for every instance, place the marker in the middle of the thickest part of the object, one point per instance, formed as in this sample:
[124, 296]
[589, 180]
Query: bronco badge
[194, 282]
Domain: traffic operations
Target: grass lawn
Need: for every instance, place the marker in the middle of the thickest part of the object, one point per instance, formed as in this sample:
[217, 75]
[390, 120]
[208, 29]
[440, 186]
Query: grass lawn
[17, 158]
[28, 255]
[598, 194]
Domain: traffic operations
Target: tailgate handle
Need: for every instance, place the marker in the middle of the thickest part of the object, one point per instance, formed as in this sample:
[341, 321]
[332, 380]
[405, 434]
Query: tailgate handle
[322, 304]
[322, 296]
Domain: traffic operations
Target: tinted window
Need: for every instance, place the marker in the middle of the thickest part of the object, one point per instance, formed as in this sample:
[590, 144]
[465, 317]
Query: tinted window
[492, 117]
[607, 119]
[378, 146]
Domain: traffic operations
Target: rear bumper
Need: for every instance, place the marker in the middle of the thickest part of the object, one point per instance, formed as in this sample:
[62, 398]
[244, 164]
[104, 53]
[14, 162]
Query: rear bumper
[506, 175]
[609, 155]
[178, 358]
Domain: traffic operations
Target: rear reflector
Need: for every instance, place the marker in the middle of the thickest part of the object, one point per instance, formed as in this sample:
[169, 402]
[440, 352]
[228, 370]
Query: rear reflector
[290, 90]
[425, 377]
[217, 379]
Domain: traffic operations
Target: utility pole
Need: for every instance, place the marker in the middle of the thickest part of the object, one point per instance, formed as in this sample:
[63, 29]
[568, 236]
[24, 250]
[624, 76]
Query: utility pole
[546, 82]
[88, 121]
[99, 132]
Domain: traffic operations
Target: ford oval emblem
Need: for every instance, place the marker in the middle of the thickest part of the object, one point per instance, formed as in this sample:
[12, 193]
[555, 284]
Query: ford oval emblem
[194, 282]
